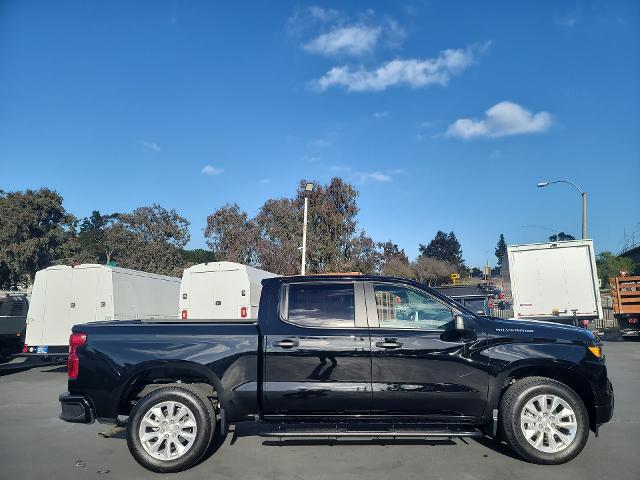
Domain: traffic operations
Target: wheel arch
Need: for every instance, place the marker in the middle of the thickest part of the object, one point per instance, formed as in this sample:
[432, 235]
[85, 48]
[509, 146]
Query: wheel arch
[152, 375]
[564, 374]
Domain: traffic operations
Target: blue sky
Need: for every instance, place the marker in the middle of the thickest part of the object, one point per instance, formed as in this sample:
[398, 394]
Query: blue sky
[444, 114]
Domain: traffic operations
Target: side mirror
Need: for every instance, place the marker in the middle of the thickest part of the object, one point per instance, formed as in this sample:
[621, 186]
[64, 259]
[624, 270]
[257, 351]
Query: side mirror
[459, 323]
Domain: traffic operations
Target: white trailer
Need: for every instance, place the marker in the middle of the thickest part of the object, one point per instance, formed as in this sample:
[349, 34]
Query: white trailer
[221, 291]
[64, 296]
[555, 281]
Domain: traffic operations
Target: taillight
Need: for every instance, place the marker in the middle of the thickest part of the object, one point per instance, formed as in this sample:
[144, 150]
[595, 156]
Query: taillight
[25, 348]
[243, 312]
[183, 315]
[73, 363]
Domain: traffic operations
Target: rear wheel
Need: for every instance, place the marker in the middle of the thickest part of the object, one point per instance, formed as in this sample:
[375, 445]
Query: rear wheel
[544, 421]
[170, 429]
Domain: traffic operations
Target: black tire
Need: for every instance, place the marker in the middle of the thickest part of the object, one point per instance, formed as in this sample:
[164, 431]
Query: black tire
[511, 405]
[204, 417]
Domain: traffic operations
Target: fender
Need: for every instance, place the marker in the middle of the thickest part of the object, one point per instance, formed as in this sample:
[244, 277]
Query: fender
[183, 366]
[544, 357]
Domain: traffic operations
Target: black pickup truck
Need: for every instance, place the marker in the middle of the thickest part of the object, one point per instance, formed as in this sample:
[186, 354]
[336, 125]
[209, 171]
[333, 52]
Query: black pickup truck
[341, 356]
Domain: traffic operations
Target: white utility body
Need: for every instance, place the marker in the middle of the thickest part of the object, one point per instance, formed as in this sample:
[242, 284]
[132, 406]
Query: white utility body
[64, 296]
[553, 281]
[221, 291]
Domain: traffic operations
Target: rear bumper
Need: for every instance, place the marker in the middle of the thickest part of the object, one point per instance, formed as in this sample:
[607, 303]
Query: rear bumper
[630, 332]
[76, 408]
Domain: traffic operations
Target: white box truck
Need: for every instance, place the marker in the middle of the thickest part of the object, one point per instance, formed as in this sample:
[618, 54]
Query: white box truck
[221, 291]
[555, 281]
[64, 296]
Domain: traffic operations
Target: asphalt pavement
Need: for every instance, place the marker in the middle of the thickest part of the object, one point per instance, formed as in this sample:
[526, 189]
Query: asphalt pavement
[35, 444]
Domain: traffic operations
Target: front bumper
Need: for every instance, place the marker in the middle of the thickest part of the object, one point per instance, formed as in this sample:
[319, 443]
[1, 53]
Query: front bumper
[604, 412]
[76, 408]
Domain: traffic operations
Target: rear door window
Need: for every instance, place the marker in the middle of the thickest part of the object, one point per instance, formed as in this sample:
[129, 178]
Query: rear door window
[321, 305]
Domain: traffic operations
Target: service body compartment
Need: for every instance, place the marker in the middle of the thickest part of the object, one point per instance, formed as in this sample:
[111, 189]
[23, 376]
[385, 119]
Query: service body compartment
[555, 281]
[221, 291]
[64, 296]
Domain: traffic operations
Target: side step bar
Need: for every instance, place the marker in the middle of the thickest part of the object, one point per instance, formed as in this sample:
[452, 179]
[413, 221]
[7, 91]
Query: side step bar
[295, 431]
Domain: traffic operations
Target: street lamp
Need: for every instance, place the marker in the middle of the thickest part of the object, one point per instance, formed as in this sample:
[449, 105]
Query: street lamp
[308, 188]
[584, 202]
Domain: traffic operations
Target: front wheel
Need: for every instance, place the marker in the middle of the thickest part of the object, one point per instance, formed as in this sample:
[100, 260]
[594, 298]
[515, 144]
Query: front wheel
[544, 421]
[170, 429]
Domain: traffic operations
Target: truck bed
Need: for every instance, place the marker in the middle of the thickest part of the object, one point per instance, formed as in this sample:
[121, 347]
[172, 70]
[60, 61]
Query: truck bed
[118, 353]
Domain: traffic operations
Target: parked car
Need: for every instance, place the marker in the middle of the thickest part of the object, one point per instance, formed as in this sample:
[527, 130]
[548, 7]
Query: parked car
[13, 320]
[471, 297]
[340, 356]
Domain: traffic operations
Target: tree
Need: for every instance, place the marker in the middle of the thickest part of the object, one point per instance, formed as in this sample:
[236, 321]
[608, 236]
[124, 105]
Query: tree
[444, 247]
[561, 237]
[363, 254]
[610, 265]
[197, 255]
[332, 225]
[35, 230]
[92, 238]
[149, 238]
[232, 235]
[432, 271]
[501, 249]
[280, 229]
[393, 261]
[396, 267]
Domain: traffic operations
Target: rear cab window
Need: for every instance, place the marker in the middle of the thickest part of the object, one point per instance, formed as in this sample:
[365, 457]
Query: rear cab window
[320, 305]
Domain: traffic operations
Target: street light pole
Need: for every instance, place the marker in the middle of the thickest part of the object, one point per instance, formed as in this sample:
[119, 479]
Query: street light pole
[307, 189]
[303, 269]
[584, 202]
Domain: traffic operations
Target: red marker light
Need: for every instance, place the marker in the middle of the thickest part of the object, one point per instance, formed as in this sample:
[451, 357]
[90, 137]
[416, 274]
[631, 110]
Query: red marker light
[243, 312]
[183, 315]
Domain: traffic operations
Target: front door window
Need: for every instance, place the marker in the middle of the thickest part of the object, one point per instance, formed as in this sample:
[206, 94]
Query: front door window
[402, 307]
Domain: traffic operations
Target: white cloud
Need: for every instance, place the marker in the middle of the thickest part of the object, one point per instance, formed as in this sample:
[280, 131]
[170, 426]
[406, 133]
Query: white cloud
[568, 21]
[333, 32]
[364, 177]
[154, 147]
[376, 176]
[310, 158]
[412, 72]
[379, 115]
[351, 40]
[211, 170]
[501, 120]
[265, 180]
[321, 143]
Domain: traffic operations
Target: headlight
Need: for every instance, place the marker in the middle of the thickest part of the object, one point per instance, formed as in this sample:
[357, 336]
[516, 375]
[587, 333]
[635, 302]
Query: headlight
[596, 351]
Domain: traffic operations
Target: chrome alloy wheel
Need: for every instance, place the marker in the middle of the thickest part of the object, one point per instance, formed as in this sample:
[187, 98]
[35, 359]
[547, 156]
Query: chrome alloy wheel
[167, 430]
[548, 423]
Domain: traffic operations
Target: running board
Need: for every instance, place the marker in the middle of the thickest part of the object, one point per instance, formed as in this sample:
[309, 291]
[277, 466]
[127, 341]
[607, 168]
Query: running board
[345, 431]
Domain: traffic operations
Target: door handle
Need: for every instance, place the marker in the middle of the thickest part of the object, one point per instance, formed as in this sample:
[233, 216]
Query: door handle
[389, 344]
[285, 343]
